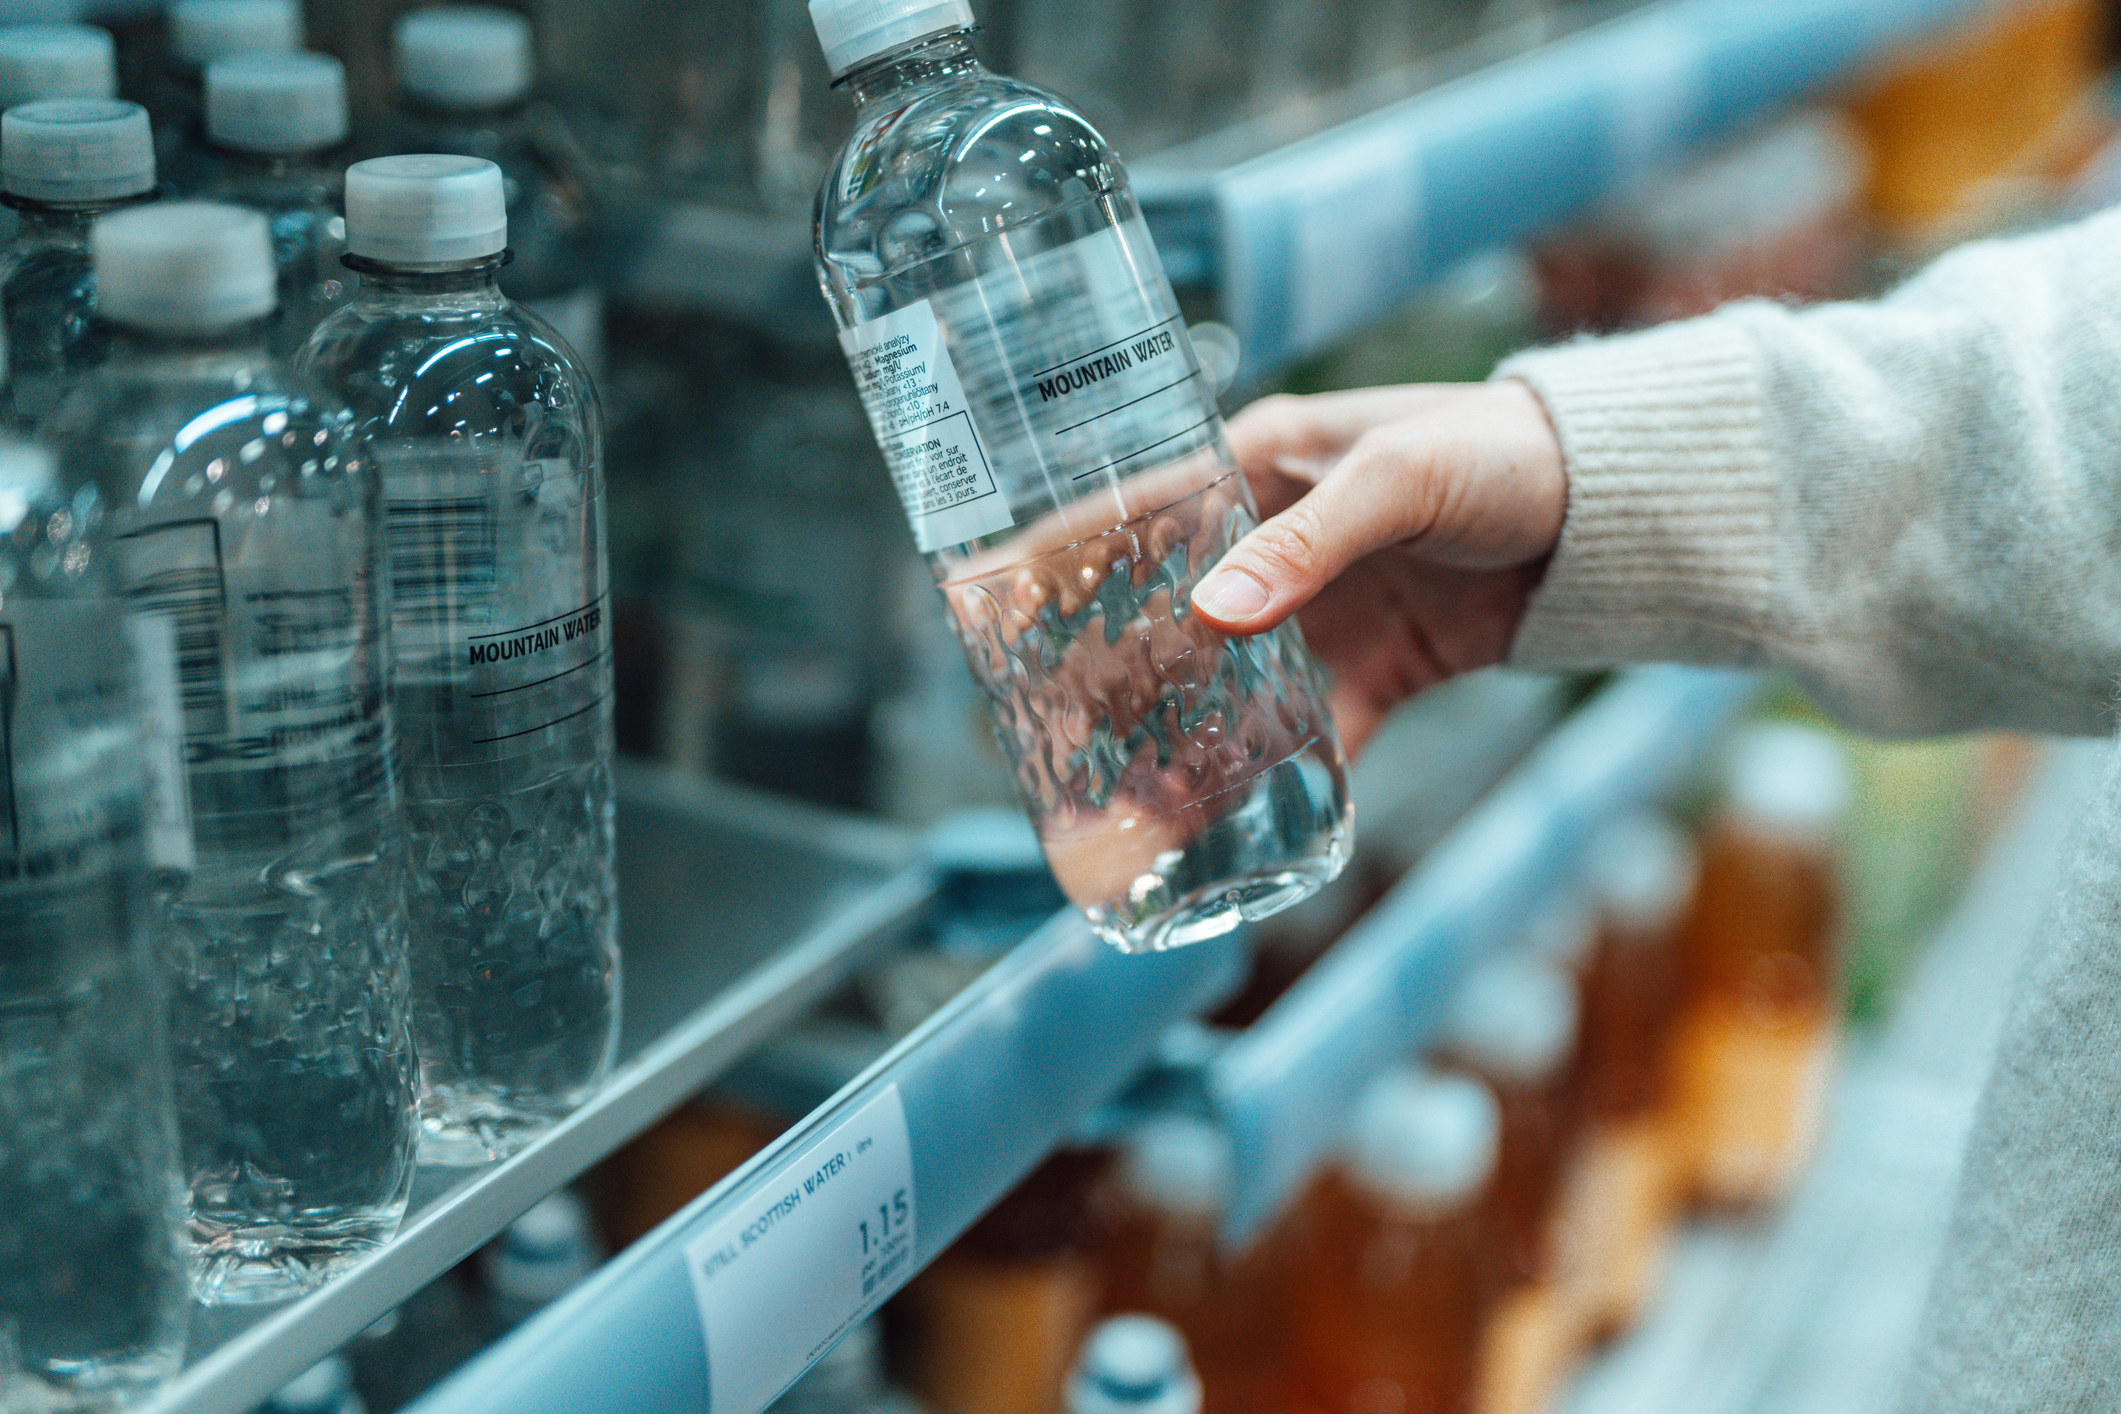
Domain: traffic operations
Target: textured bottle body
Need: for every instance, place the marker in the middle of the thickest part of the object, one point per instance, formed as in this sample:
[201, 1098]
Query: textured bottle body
[244, 520]
[488, 438]
[92, 1288]
[1060, 456]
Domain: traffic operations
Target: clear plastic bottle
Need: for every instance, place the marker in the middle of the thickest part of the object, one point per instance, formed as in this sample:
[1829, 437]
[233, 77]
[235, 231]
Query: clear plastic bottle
[465, 74]
[537, 1259]
[1061, 458]
[64, 162]
[92, 1291]
[489, 439]
[56, 61]
[200, 34]
[245, 516]
[1133, 1365]
[272, 120]
[1386, 1292]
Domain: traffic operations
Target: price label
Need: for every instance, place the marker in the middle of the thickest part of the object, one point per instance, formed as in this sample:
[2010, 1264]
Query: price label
[813, 1251]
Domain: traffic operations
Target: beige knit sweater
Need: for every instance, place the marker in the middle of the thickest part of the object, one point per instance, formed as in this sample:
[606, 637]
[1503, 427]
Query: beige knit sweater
[1914, 506]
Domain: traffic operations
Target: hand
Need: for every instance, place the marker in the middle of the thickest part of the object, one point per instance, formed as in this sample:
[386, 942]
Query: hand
[1408, 526]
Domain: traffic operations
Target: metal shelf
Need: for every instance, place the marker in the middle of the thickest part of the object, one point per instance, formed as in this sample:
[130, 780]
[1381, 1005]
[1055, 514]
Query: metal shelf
[739, 912]
[1283, 1088]
[986, 1087]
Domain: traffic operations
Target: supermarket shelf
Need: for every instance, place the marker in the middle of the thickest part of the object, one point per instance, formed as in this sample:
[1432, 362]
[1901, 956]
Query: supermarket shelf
[987, 1086]
[1284, 1087]
[739, 911]
[1317, 238]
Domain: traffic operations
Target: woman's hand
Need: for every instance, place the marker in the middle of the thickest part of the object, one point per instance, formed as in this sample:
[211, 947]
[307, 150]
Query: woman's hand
[1408, 526]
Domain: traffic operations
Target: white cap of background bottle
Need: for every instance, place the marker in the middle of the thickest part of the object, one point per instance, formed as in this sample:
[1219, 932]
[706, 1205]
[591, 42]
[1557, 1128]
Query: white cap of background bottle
[1179, 1165]
[1789, 780]
[201, 31]
[69, 150]
[1133, 1365]
[56, 61]
[425, 209]
[1424, 1139]
[855, 31]
[277, 104]
[191, 268]
[1641, 871]
[468, 58]
[1513, 1018]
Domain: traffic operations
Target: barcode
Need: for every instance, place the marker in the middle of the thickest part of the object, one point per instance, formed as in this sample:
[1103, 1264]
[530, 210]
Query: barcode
[174, 570]
[441, 556]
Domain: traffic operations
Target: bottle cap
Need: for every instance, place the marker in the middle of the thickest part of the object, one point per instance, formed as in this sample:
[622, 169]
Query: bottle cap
[1789, 779]
[277, 103]
[75, 150]
[1513, 1018]
[1562, 929]
[28, 474]
[1641, 870]
[1425, 1138]
[323, 1388]
[56, 61]
[1134, 1365]
[201, 31]
[190, 267]
[544, 1254]
[853, 31]
[425, 209]
[465, 57]
[1179, 1164]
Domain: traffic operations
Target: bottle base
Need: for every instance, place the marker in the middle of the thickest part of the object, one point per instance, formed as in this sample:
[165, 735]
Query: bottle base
[250, 1266]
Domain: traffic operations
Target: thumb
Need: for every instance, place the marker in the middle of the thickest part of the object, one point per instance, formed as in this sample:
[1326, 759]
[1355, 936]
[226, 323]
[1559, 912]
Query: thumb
[1359, 506]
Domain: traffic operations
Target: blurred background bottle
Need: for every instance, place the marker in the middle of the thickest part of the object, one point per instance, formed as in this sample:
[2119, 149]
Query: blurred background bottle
[1133, 1364]
[199, 33]
[63, 164]
[245, 517]
[536, 1260]
[92, 1288]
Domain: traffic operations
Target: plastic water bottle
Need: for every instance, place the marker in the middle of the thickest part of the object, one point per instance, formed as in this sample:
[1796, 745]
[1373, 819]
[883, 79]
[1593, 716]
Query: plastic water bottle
[56, 61]
[489, 439]
[63, 163]
[1060, 456]
[464, 79]
[1134, 1365]
[201, 33]
[245, 516]
[270, 119]
[91, 1279]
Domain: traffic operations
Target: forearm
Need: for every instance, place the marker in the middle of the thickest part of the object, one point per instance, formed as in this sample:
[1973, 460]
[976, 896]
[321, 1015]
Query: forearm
[1914, 505]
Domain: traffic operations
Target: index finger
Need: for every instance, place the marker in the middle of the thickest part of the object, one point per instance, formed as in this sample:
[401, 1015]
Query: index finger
[1302, 436]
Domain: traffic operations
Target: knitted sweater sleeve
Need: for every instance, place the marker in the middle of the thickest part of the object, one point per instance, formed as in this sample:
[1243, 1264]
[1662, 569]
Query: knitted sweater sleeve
[1912, 504]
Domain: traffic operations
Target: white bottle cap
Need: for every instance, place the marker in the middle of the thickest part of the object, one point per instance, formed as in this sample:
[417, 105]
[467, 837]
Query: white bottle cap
[1641, 870]
[1425, 1138]
[201, 31]
[1134, 1365]
[76, 150]
[28, 474]
[1178, 1164]
[1513, 1018]
[276, 103]
[465, 57]
[1790, 780]
[425, 209]
[854, 31]
[1562, 929]
[56, 61]
[190, 267]
[544, 1254]
[324, 1388]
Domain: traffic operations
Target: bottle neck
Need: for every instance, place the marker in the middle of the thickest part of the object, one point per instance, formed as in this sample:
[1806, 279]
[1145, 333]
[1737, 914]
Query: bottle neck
[64, 220]
[456, 282]
[938, 58]
[277, 166]
[236, 343]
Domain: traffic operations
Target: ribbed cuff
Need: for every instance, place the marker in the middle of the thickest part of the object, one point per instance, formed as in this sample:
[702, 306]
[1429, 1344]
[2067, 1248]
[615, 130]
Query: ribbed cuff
[1667, 553]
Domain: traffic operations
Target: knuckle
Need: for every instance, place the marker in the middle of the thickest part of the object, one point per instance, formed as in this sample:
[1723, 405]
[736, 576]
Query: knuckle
[1290, 543]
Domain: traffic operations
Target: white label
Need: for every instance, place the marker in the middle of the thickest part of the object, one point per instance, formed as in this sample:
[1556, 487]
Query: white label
[814, 1251]
[924, 425]
[167, 802]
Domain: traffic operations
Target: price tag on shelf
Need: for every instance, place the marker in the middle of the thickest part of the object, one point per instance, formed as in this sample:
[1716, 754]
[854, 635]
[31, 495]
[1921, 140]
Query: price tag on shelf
[814, 1251]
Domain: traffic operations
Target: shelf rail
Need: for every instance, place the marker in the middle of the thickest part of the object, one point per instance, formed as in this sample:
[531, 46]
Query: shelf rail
[1284, 1087]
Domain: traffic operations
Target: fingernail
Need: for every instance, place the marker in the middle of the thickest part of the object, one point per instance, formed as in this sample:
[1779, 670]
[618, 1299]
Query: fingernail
[1230, 596]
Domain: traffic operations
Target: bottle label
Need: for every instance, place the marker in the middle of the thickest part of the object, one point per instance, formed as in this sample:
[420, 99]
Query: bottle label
[168, 793]
[501, 618]
[69, 752]
[1053, 374]
[811, 1247]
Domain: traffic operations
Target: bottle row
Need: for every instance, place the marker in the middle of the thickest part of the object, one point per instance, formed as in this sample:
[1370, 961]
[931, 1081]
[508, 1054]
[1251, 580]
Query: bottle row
[306, 819]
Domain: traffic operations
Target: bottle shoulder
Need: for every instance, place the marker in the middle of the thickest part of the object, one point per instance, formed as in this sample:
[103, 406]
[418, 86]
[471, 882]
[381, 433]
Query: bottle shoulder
[451, 372]
[951, 164]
